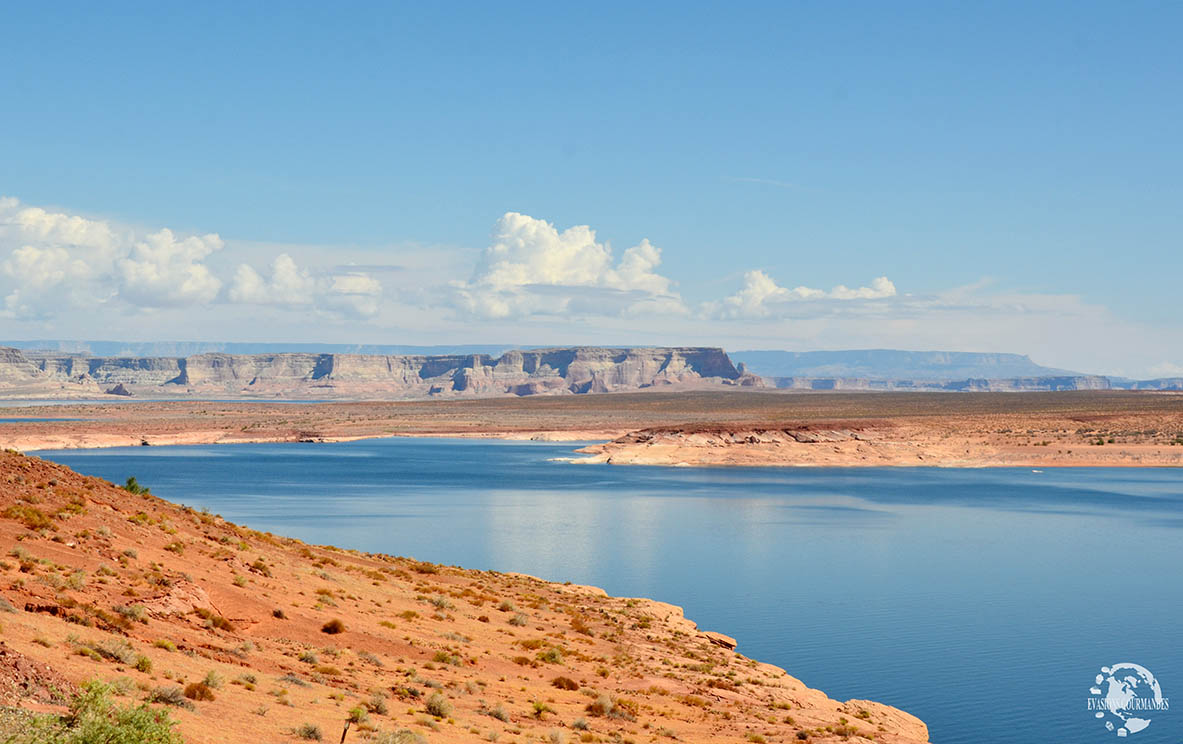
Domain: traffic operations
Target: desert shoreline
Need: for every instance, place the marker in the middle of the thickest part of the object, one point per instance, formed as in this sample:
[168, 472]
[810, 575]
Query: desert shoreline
[695, 429]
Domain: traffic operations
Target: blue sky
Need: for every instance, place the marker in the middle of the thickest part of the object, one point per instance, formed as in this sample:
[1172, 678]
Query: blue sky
[1012, 170]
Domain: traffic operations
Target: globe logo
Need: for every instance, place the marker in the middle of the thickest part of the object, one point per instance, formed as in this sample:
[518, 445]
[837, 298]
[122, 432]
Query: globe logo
[1125, 696]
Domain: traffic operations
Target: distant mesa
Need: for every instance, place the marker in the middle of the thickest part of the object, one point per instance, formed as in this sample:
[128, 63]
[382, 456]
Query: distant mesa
[924, 371]
[892, 364]
[575, 370]
[553, 371]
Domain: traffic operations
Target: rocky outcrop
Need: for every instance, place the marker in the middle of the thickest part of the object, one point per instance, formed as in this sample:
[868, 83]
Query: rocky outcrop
[17, 369]
[574, 370]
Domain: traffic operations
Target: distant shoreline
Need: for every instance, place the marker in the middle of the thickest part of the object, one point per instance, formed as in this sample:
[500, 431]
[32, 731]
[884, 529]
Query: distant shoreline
[748, 429]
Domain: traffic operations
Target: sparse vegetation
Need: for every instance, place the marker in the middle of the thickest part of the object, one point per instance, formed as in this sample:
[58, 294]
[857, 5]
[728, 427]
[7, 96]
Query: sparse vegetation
[439, 706]
[333, 627]
[94, 719]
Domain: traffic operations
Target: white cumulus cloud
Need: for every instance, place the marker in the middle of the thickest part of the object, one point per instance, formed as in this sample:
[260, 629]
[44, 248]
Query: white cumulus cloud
[354, 293]
[162, 271]
[287, 285]
[531, 267]
[761, 297]
[55, 262]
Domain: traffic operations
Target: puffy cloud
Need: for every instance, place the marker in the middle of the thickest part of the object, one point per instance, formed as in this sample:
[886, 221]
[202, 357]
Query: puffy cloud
[162, 271]
[762, 297]
[57, 263]
[36, 224]
[60, 262]
[531, 267]
[288, 285]
[38, 273]
[353, 293]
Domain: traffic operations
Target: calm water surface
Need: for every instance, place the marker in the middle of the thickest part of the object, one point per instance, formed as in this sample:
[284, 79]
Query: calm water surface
[983, 601]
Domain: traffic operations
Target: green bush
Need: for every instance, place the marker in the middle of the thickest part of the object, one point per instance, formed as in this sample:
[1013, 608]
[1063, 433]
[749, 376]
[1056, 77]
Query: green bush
[94, 718]
[133, 486]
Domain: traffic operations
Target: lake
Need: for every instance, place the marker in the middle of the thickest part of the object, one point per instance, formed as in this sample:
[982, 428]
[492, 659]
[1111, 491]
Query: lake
[982, 601]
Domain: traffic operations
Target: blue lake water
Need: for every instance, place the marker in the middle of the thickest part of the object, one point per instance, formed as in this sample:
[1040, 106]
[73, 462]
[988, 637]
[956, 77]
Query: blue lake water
[982, 601]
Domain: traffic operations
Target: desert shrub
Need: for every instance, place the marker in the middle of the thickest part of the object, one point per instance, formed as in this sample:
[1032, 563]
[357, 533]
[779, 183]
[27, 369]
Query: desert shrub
[278, 614]
[308, 732]
[143, 664]
[438, 706]
[519, 620]
[213, 620]
[94, 718]
[443, 657]
[499, 713]
[565, 683]
[133, 612]
[610, 707]
[551, 656]
[170, 695]
[309, 657]
[29, 516]
[199, 691]
[165, 644]
[213, 680]
[377, 704]
[114, 650]
[579, 625]
[333, 627]
[292, 679]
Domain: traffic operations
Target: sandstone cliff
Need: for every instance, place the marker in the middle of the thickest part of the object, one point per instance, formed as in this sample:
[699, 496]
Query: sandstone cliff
[530, 372]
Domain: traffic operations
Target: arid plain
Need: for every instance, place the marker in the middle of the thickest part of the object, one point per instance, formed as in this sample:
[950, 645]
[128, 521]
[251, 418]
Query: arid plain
[717, 427]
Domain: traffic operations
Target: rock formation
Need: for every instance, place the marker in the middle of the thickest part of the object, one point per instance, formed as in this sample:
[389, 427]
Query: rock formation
[572, 370]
